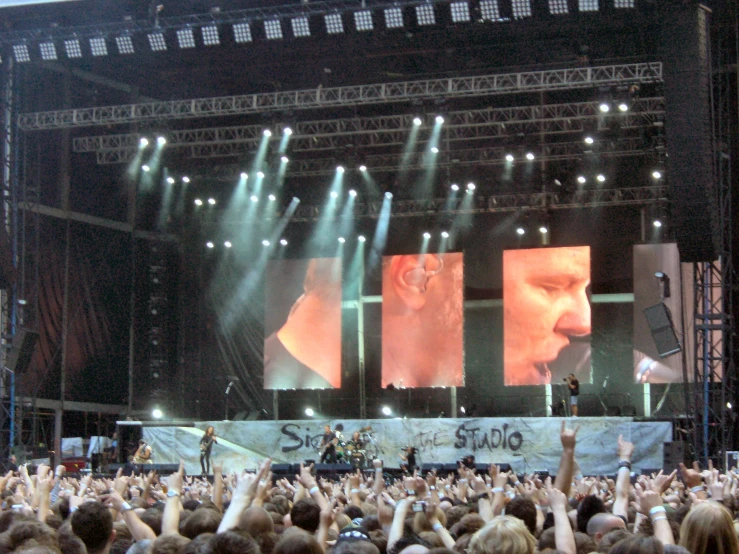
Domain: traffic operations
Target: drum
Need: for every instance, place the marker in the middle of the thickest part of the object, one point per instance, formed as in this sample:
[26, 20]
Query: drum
[359, 459]
[349, 447]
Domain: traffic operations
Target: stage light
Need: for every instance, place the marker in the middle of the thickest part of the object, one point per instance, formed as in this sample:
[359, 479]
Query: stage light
[361, 238]
[342, 240]
[300, 26]
[98, 47]
[388, 195]
[445, 234]
[589, 6]
[417, 121]
[73, 48]
[728, 405]
[334, 23]
[434, 150]
[125, 44]
[227, 244]
[244, 175]
[272, 197]
[471, 186]
[198, 202]
[288, 131]
[558, 7]
[462, 410]
[161, 141]
[143, 142]
[589, 140]
[455, 187]
[601, 178]
[520, 231]
[185, 38]
[267, 133]
[581, 179]
[145, 168]
[254, 198]
[156, 413]
[157, 43]
[242, 33]
[352, 193]
[212, 201]
[283, 242]
[386, 410]
[309, 412]
[509, 157]
[334, 194]
[363, 20]
[657, 174]
[48, 51]
[623, 3]
[489, 10]
[186, 179]
[260, 174]
[170, 180]
[425, 14]
[284, 159]
[439, 119]
[460, 12]
[209, 244]
[623, 107]
[265, 242]
[393, 18]
[521, 9]
[362, 168]
[340, 168]
[427, 235]
[605, 108]
[530, 156]
[657, 223]
[543, 230]
[273, 29]
[21, 53]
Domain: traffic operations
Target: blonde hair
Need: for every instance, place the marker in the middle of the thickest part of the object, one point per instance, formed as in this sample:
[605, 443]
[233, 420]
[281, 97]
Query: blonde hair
[503, 535]
[709, 529]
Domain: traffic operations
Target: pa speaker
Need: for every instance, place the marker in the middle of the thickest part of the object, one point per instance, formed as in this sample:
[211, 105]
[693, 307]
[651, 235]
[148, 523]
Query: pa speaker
[21, 351]
[662, 329]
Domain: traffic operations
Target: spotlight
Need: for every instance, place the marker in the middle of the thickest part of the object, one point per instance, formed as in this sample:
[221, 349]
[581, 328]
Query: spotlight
[434, 150]
[260, 174]
[386, 410]
[288, 131]
[657, 174]
[581, 179]
[623, 107]
[417, 121]
[283, 242]
[520, 231]
[334, 194]
[186, 179]
[284, 159]
[388, 195]
[427, 235]
[170, 180]
[657, 223]
[352, 193]
[605, 108]
[267, 133]
[728, 405]
[455, 187]
[445, 234]
[530, 156]
[272, 197]
[462, 410]
[309, 412]
[161, 141]
[543, 230]
[145, 168]
[198, 202]
[601, 178]
[340, 168]
[265, 242]
[244, 175]
[439, 119]
[209, 244]
[227, 244]
[212, 201]
[143, 142]
[156, 413]
[589, 140]
[509, 157]
[342, 240]
[361, 238]
[362, 168]
[470, 186]
[254, 198]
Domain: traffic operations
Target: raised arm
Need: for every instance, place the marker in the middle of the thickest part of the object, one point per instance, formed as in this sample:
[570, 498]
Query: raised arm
[564, 539]
[623, 480]
[173, 507]
[243, 494]
[139, 530]
[568, 438]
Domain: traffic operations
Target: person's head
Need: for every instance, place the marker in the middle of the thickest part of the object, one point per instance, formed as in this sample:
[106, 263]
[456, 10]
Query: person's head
[589, 506]
[545, 302]
[24, 534]
[353, 512]
[354, 547]
[638, 544]
[602, 523]
[202, 520]
[210, 430]
[584, 544]
[503, 535]
[169, 544]
[708, 529]
[355, 436]
[297, 542]
[525, 510]
[306, 515]
[327, 428]
[93, 524]
[13, 459]
[255, 520]
[611, 538]
[230, 543]
[422, 313]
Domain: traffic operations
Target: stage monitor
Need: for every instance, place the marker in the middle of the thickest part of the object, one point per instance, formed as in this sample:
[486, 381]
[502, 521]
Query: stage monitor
[546, 315]
[302, 346]
[423, 303]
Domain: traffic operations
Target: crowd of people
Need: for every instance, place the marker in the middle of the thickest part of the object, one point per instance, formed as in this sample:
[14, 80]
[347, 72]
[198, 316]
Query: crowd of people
[498, 512]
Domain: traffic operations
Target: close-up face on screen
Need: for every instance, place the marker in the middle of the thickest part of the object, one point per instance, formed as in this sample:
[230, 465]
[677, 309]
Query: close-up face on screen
[546, 321]
[302, 313]
[423, 320]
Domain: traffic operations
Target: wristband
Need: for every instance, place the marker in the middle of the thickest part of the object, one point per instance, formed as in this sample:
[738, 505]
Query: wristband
[354, 491]
[656, 510]
[432, 488]
[624, 463]
[409, 492]
[659, 518]
[172, 494]
[697, 488]
[496, 490]
[436, 526]
[73, 509]
[314, 489]
[125, 507]
[484, 496]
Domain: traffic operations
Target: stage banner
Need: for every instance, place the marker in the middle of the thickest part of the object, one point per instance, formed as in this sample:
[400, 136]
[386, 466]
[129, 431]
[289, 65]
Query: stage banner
[527, 444]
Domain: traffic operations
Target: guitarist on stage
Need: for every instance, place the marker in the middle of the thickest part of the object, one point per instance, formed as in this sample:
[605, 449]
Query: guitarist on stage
[143, 454]
[328, 446]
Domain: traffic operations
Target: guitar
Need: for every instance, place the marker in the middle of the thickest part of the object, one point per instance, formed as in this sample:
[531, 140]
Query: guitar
[324, 446]
[143, 455]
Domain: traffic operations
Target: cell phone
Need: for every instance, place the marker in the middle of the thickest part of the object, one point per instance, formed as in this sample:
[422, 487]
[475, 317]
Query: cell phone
[419, 506]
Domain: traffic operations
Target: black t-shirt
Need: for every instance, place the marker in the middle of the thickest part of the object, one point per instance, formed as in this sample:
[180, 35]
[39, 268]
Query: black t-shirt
[206, 443]
[574, 387]
[411, 458]
[327, 438]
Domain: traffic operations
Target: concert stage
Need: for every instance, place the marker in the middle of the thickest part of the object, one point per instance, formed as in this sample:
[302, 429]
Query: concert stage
[526, 444]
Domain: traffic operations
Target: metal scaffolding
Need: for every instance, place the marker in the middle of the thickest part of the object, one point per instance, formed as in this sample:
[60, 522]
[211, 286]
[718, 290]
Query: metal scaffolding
[348, 96]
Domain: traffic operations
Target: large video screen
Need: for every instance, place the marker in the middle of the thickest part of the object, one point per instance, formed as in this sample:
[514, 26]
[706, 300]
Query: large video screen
[423, 304]
[546, 315]
[302, 348]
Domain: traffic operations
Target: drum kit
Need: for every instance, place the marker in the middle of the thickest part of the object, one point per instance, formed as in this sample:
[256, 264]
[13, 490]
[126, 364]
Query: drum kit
[361, 454]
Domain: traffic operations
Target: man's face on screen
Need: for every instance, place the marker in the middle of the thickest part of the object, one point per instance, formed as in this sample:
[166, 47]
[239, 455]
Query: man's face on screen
[545, 296]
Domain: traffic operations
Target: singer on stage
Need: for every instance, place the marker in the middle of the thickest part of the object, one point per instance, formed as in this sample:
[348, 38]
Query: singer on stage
[206, 446]
[574, 386]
